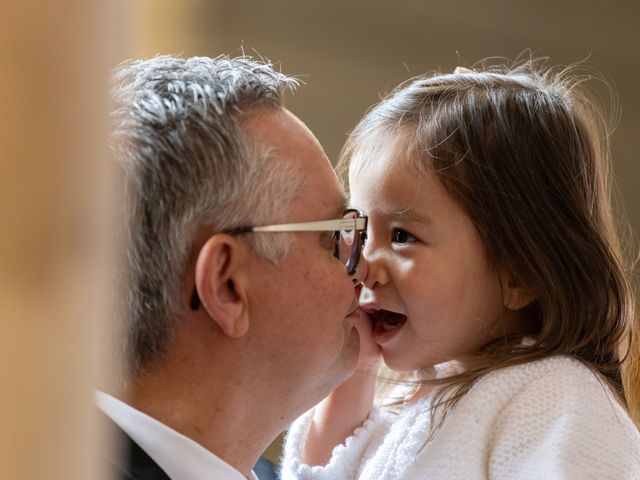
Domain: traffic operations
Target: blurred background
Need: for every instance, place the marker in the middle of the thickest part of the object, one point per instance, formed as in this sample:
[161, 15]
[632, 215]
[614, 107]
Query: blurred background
[351, 52]
[55, 184]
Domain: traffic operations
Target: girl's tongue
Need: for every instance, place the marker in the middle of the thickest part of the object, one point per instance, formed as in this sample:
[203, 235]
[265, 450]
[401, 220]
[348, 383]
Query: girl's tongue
[386, 324]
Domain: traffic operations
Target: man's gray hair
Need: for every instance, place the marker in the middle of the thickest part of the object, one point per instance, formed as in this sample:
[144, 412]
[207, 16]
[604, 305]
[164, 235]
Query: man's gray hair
[186, 162]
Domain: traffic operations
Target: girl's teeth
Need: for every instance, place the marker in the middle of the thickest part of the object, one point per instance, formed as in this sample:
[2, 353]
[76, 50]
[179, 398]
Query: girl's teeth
[386, 326]
[392, 321]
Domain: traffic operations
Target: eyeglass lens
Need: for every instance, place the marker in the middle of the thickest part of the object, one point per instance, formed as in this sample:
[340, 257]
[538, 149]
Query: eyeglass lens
[346, 244]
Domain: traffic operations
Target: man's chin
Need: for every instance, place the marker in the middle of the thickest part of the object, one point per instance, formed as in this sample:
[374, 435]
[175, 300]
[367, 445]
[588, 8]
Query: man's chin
[352, 347]
[355, 336]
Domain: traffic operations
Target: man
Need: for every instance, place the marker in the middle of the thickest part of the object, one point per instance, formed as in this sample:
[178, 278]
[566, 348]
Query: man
[231, 330]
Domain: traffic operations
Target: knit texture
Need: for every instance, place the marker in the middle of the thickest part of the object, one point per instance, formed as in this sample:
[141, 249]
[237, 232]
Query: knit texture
[548, 419]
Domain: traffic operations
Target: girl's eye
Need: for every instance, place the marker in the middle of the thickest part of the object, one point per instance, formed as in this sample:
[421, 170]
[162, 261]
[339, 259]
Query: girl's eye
[402, 236]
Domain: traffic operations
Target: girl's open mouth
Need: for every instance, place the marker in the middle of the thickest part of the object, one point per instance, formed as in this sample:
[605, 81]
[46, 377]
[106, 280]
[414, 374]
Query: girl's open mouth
[386, 324]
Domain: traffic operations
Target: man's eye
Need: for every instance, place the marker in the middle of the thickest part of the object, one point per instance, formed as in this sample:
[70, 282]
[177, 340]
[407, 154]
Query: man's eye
[402, 236]
[327, 239]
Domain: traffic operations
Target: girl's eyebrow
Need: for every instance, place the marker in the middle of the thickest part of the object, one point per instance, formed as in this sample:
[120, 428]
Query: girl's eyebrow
[408, 214]
[411, 215]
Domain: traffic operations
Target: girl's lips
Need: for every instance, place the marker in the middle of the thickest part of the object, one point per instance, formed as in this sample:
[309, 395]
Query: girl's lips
[370, 308]
[382, 336]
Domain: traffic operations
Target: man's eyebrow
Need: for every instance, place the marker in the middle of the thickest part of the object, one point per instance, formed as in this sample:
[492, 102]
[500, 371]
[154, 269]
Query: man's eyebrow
[344, 204]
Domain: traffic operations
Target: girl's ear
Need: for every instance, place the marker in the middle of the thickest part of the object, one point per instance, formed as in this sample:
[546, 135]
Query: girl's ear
[220, 284]
[515, 295]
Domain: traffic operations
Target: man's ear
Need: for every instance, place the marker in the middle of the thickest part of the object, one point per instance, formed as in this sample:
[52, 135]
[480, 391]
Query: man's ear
[219, 281]
[515, 295]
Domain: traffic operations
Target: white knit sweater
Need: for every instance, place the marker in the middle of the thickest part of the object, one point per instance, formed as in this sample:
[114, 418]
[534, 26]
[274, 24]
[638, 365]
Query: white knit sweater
[549, 419]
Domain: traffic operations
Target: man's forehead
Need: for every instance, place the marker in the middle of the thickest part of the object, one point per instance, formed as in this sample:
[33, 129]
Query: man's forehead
[327, 199]
[289, 140]
[278, 126]
[284, 136]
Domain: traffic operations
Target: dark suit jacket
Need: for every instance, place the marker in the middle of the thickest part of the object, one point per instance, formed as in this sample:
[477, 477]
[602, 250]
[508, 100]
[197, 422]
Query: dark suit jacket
[128, 461]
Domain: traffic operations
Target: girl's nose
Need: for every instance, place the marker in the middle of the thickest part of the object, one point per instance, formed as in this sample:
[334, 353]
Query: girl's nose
[375, 271]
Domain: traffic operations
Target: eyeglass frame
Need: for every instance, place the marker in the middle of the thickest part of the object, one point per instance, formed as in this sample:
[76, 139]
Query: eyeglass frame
[334, 225]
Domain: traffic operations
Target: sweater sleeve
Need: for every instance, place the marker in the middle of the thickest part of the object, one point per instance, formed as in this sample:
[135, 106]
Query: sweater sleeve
[345, 458]
[565, 428]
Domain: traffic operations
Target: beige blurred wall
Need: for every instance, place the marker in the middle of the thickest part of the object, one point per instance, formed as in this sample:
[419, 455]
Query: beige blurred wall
[56, 57]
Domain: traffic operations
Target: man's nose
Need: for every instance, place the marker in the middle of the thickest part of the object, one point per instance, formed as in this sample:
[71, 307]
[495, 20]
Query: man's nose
[361, 272]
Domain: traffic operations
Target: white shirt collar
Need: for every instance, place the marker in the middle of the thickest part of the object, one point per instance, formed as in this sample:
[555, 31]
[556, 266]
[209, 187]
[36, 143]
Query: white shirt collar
[179, 456]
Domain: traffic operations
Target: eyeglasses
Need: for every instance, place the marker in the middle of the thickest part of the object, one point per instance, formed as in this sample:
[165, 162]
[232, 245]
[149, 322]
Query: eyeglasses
[349, 235]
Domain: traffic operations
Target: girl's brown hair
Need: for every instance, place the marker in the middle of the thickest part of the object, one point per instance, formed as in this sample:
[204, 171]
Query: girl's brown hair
[525, 153]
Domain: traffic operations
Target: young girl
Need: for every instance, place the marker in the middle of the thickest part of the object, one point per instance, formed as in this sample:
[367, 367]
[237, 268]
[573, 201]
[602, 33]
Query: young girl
[493, 273]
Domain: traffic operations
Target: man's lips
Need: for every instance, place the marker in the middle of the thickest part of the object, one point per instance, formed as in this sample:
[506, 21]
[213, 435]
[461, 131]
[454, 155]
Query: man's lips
[355, 308]
[354, 313]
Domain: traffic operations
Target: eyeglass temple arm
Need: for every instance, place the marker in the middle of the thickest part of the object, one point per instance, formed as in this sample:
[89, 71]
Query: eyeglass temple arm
[319, 226]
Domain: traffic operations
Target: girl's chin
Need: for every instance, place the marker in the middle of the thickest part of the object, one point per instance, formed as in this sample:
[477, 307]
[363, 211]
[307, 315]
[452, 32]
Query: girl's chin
[397, 361]
[402, 361]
